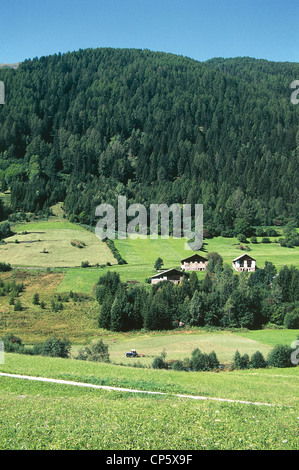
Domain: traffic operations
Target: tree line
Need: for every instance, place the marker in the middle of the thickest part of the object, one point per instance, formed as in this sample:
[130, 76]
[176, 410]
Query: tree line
[221, 299]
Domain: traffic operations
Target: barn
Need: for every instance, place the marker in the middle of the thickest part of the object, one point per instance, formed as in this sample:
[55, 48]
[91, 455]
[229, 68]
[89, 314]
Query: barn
[194, 263]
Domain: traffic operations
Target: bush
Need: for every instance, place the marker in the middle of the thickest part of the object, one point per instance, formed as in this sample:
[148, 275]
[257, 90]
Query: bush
[203, 361]
[5, 231]
[253, 240]
[35, 299]
[240, 362]
[115, 252]
[18, 306]
[53, 347]
[5, 267]
[159, 363]
[85, 264]
[266, 240]
[258, 361]
[97, 352]
[280, 356]
[291, 320]
[241, 237]
[178, 365]
[12, 344]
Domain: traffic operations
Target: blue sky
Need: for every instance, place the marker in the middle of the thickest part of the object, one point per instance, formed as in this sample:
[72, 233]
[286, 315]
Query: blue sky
[200, 29]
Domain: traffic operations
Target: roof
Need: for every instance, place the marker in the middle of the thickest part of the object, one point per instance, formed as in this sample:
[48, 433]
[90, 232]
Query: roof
[168, 272]
[196, 256]
[244, 256]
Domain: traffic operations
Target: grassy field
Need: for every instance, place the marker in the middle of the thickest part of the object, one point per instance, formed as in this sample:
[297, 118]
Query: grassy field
[45, 244]
[142, 254]
[49, 244]
[51, 416]
[78, 321]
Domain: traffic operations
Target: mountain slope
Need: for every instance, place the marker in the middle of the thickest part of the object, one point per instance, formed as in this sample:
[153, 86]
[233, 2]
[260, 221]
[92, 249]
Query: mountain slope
[86, 126]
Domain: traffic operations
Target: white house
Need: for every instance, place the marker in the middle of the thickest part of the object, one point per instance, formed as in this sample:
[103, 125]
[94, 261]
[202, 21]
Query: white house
[194, 263]
[244, 263]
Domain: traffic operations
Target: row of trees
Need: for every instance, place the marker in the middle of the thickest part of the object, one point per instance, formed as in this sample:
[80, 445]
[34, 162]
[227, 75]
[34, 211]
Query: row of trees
[221, 299]
[279, 356]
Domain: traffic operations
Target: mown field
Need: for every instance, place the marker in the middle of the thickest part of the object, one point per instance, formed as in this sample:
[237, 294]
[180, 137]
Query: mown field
[142, 254]
[50, 416]
[53, 244]
[47, 244]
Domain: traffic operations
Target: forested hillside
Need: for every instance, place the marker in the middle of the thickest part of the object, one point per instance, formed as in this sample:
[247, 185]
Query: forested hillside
[87, 126]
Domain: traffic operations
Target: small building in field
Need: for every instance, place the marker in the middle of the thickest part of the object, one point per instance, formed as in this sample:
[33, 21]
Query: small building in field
[194, 263]
[244, 263]
[172, 275]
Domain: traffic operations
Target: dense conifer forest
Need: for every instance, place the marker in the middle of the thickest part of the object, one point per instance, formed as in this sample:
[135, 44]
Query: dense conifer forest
[85, 127]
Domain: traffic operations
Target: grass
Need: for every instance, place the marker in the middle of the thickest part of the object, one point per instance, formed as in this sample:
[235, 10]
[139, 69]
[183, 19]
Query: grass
[142, 254]
[77, 321]
[274, 386]
[48, 244]
[51, 416]
[55, 236]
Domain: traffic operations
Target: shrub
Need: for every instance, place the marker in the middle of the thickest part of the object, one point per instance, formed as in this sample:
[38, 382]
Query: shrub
[12, 344]
[241, 237]
[18, 306]
[159, 363]
[35, 299]
[258, 361]
[291, 319]
[280, 356]
[5, 231]
[240, 362]
[5, 267]
[253, 240]
[53, 347]
[85, 264]
[97, 352]
[203, 361]
[266, 240]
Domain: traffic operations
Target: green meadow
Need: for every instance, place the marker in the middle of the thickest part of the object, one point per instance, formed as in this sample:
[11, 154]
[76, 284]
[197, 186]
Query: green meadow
[52, 416]
[53, 244]
[49, 416]
[141, 255]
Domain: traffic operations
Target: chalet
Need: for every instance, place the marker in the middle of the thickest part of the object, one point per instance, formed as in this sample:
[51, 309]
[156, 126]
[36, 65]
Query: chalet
[172, 275]
[194, 263]
[244, 263]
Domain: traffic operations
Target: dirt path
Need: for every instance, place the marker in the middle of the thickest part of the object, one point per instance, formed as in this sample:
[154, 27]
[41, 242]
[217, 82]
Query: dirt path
[119, 389]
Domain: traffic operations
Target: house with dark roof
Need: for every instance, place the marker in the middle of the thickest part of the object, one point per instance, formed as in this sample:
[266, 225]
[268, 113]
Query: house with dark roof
[244, 263]
[194, 263]
[172, 275]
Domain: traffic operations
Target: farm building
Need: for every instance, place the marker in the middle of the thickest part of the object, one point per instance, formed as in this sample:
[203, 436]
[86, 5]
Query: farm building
[194, 263]
[172, 275]
[244, 263]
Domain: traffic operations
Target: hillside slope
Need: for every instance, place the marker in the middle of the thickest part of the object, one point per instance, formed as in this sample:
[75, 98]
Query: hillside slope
[86, 126]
